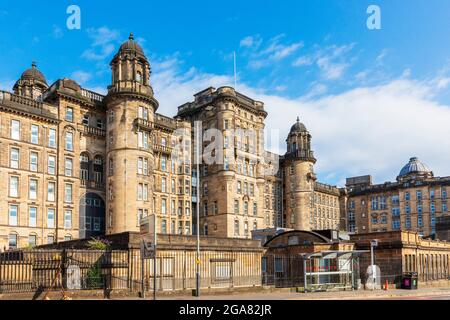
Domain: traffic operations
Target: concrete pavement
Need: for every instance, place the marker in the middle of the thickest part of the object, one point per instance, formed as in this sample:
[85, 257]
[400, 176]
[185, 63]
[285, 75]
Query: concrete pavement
[438, 293]
[426, 293]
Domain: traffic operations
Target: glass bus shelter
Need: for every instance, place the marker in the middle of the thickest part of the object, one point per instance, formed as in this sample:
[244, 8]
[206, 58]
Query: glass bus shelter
[328, 270]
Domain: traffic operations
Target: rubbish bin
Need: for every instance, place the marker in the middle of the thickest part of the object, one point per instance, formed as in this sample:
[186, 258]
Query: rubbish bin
[409, 281]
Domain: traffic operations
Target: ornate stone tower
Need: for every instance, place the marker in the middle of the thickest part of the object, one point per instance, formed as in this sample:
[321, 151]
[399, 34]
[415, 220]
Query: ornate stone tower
[299, 178]
[130, 116]
[31, 84]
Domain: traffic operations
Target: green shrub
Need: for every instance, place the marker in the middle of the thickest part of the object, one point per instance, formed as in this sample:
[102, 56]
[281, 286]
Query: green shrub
[94, 277]
[98, 244]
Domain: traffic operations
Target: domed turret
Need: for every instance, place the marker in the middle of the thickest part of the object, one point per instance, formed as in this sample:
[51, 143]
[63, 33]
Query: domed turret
[299, 177]
[298, 127]
[131, 71]
[132, 105]
[131, 46]
[299, 142]
[414, 169]
[31, 84]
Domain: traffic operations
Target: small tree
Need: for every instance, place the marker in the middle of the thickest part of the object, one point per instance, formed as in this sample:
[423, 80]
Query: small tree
[94, 276]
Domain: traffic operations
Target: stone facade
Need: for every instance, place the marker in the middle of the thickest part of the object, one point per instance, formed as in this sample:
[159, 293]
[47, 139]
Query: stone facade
[400, 252]
[414, 202]
[77, 164]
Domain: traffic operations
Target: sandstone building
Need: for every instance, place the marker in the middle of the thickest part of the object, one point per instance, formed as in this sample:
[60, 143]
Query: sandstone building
[413, 203]
[76, 164]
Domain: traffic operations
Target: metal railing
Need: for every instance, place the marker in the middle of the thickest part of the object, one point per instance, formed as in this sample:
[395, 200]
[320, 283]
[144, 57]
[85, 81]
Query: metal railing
[75, 269]
[30, 270]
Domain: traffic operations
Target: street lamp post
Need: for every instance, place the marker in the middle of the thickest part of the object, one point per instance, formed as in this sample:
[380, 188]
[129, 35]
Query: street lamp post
[373, 243]
[154, 254]
[197, 151]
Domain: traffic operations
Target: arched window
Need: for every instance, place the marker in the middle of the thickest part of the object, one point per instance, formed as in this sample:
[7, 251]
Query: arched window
[92, 216]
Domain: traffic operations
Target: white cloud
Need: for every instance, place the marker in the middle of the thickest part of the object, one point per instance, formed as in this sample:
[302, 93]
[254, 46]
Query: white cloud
[366, 130]
[442, 82]
[280, 88]
[7, 84]
[251, 42]
[332, 61]
[173, 87]
[380, 58]
[316, 90]
[57, 32]
[81, 77]
[303, 61]
[283, 51]
[104, 42]
[274, 51]
[330, 70]
[373, 130]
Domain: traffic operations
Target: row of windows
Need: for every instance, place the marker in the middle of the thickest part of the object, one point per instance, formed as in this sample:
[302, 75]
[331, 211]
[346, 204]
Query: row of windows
[182, 189]
[14, 162]
[15, 133]
[32, 240]
[275, 188]
[249, 188]
[237, 227]
[14, 187]
[13, 217]
[187, 227]
[272, 205]
[380, 203]
[245, 207]
[328, 213]
[69, 116]
[321, 224]
[173, 207]
[325, 200]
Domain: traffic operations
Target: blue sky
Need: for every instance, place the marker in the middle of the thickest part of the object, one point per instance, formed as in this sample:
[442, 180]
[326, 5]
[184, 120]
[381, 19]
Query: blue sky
[362, 93]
